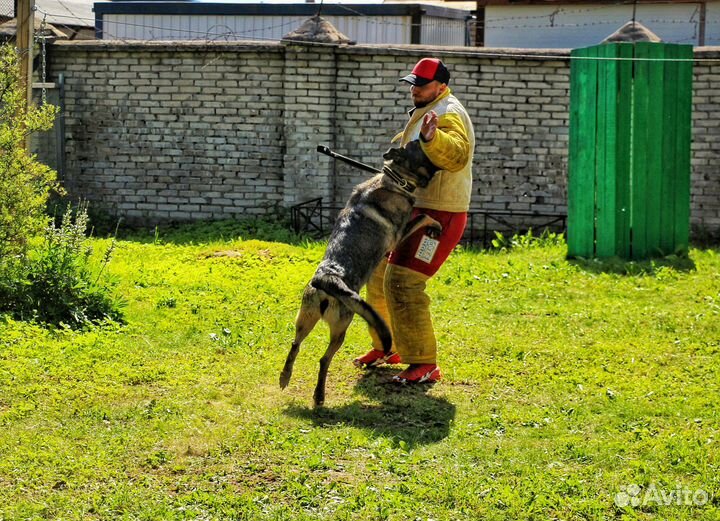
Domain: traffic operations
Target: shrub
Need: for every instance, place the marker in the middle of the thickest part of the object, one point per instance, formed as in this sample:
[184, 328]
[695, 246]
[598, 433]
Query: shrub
[57, 282]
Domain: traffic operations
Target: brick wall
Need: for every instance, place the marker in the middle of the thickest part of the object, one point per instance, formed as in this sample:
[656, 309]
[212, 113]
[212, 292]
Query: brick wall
[174, 132]
[705, 192]
[180, 131]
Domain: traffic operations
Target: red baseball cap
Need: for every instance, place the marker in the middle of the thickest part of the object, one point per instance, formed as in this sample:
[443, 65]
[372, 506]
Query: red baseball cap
[427, 70]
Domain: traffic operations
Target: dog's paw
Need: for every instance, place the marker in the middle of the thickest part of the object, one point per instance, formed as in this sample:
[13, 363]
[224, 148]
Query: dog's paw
[433, 231]
[319, 398]
[433, 228]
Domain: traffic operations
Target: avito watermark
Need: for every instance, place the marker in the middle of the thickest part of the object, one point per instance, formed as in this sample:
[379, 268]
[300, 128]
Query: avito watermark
[637, 496]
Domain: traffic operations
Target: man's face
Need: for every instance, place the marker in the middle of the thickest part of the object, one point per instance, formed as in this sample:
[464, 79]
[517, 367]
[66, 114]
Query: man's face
[421, 96]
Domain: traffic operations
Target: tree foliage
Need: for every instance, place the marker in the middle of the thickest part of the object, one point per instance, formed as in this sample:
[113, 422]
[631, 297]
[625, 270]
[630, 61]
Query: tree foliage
[25, 183]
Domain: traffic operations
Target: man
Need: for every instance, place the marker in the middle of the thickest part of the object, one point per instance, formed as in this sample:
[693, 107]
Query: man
[397, 288]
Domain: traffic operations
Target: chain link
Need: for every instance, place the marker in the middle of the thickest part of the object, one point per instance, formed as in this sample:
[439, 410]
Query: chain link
[7, 10]
[42, 36]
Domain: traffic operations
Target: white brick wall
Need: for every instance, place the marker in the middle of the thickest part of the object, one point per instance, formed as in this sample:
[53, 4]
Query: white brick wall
[182, 131]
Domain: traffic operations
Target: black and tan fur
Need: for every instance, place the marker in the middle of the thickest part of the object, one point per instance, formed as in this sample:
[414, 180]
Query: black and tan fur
[374, 220]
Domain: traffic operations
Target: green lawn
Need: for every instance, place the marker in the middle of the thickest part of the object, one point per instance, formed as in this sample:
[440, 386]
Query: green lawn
[572, 390]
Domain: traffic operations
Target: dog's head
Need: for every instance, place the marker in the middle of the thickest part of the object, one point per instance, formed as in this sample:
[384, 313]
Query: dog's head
[410, 163]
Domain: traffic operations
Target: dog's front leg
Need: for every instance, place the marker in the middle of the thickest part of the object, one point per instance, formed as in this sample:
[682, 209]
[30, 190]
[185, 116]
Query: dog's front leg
[434, 228]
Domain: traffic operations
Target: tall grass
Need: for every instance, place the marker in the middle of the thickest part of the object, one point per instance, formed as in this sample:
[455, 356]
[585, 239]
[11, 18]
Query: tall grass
[57, 281]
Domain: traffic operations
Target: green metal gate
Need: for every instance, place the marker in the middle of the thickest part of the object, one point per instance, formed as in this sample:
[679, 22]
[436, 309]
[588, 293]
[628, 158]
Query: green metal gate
[629, 160]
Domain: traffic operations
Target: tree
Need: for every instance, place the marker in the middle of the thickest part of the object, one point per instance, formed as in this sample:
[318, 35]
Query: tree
[25, 183]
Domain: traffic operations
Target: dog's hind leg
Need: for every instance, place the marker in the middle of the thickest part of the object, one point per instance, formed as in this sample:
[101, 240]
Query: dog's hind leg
[338, 328]
[307, 317]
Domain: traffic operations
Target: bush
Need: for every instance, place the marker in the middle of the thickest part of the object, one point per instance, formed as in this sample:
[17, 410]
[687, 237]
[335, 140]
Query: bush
[56, 282]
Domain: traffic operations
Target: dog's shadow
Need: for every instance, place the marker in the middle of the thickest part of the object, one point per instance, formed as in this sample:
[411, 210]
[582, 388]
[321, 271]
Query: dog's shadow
[407, 414]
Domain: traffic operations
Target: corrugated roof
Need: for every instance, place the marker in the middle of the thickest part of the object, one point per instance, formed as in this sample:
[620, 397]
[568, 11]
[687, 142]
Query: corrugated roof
[578, 2]
[66, 12]
[224, 7]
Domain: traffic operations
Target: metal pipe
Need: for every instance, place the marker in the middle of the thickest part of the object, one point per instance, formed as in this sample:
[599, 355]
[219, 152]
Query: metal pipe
[61, 128]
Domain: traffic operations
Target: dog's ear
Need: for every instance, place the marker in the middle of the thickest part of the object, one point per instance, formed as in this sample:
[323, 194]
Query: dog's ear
[394, 153]
[416, 157]
[411, 156]
[411, 162]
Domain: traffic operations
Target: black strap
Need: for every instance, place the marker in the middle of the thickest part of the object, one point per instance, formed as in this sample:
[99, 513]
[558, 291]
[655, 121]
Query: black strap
[399, 180]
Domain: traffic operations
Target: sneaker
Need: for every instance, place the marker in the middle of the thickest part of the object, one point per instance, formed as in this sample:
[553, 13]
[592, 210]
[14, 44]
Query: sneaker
[418, 373]
[376, 358]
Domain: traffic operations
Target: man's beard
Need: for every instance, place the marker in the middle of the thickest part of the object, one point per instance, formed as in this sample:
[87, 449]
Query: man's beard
[420, 104]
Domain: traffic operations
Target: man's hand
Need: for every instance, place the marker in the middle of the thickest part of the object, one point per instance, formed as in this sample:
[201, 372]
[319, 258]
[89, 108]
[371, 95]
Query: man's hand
[429, 126]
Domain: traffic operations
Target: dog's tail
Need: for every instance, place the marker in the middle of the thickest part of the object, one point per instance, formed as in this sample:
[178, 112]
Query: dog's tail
[336, 287]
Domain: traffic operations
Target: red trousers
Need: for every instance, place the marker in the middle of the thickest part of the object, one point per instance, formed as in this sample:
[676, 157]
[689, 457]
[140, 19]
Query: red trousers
[453, 226]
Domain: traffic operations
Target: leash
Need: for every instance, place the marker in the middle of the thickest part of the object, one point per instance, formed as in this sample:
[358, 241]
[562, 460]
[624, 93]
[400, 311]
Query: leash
[400, 181]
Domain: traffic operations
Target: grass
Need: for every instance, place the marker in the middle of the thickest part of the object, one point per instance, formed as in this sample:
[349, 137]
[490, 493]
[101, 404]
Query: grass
[573, 390]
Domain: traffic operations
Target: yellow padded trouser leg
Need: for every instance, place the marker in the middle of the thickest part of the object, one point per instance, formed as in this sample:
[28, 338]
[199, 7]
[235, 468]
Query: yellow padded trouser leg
[409, 306]
[376, 298]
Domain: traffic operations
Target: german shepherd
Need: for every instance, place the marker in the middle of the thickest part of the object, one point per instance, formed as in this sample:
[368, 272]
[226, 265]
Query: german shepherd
[375, 219]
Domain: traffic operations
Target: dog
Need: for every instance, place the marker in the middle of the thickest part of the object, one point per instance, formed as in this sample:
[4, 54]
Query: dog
[374, 220]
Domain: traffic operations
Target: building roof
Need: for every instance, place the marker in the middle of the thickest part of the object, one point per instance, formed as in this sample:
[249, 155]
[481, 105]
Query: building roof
[63, 19]
[296, 9]
[484, 3]
[9, 29]
[72, 13]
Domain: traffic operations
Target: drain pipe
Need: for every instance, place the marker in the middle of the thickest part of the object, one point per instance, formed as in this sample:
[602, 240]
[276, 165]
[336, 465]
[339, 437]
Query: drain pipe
[60, 134]
[333, 126]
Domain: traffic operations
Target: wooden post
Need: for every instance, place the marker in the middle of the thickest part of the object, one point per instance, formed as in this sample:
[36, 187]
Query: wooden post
[24, 42]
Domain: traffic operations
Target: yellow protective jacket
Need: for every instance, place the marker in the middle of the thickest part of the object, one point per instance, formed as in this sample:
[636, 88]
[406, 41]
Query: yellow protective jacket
[451, 150]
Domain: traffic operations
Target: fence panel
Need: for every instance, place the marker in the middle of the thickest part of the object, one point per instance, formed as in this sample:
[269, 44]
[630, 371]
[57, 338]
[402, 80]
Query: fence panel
[582, 158]
[639, 136]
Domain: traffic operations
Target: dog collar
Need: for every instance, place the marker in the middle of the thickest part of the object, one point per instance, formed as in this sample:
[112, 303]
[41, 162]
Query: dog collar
[400, 181]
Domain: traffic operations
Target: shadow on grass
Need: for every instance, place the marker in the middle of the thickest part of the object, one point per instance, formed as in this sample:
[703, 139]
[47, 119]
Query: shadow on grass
[408, 415]
[618, 266]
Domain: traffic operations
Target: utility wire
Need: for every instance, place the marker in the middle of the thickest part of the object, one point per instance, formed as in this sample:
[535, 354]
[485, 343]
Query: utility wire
[230, 34]
[493, 24]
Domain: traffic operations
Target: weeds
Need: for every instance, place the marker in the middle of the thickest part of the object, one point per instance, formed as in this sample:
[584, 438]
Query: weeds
[57, 281]
[527, 240]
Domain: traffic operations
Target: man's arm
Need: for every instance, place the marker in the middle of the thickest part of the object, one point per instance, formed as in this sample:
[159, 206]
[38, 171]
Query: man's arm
[444, 140]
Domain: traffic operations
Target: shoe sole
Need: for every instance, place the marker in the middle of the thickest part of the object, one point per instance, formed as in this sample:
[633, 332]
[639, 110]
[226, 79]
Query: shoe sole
[375, 363]
[426, 378]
